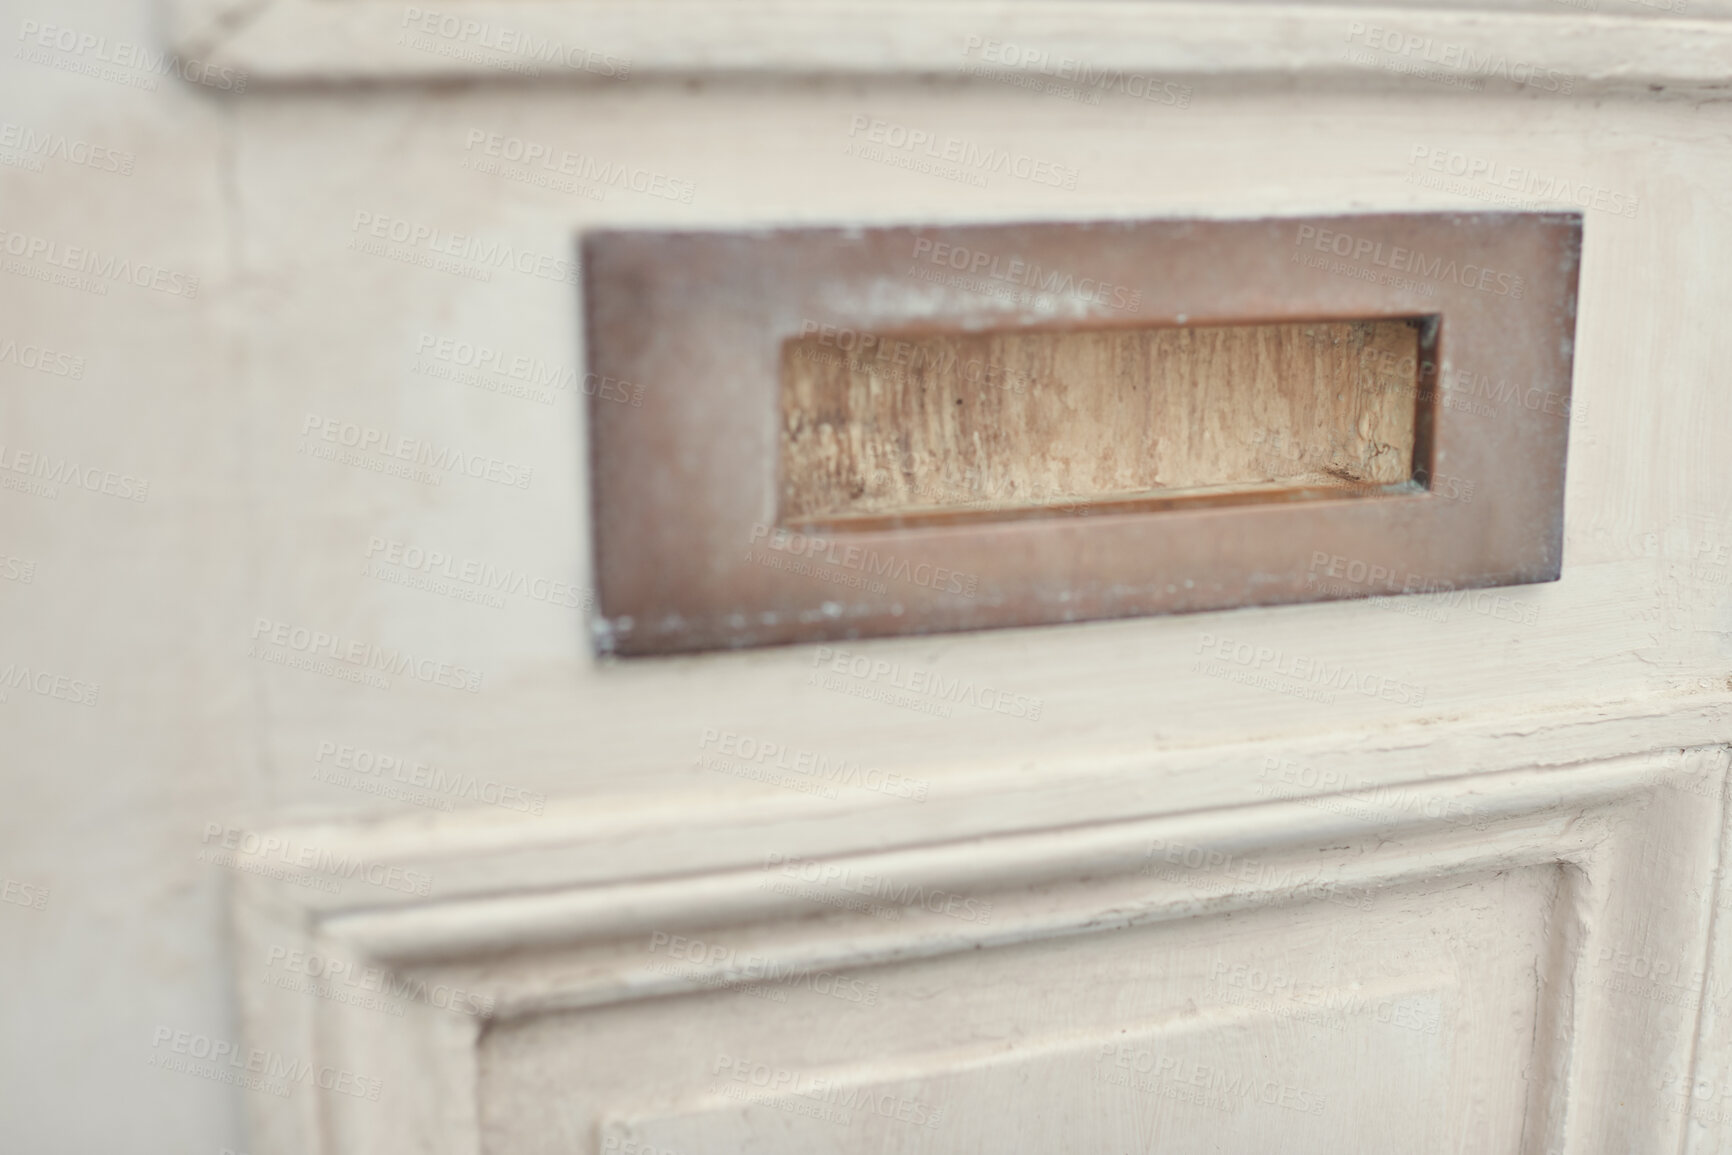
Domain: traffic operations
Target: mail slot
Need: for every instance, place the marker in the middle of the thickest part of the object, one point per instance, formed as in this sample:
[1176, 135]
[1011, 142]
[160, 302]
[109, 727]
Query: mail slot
[1017, 423]
[853, 433]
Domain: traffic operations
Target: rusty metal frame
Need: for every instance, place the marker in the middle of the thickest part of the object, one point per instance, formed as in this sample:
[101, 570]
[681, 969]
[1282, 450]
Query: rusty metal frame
[683, 488]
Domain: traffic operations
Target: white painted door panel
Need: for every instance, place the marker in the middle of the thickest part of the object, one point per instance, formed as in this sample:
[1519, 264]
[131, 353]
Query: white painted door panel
[1440, 967]
[1393, 1026]
[1178, 910]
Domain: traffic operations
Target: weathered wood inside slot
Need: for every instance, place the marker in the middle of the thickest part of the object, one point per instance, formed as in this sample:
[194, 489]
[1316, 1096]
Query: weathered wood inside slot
[905, 425]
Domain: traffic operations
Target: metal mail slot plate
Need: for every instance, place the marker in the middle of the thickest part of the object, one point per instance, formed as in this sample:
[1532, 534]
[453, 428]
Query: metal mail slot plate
[849, 433]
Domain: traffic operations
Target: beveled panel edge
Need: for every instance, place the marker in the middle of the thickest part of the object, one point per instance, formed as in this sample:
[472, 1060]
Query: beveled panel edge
[1596, 819]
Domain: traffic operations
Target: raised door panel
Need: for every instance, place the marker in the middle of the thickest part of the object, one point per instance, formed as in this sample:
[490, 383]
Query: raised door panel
[1378, 1019]
[1501, 962]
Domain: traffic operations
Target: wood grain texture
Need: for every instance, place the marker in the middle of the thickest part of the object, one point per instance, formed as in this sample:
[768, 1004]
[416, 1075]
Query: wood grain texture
[1013, 419]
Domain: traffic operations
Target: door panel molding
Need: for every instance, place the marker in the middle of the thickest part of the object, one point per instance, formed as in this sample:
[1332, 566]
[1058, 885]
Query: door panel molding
[600, 839]
[302, 40]
[1623, 833]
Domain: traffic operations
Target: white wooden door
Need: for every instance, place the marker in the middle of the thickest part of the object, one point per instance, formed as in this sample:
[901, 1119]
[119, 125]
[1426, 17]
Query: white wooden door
[1174, 906]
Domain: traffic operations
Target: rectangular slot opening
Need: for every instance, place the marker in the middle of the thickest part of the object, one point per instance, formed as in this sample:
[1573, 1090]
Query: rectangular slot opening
[880, 430]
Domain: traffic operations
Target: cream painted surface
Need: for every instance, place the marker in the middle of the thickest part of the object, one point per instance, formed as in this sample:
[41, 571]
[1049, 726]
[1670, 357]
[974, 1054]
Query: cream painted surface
[1559, 709]
[1628, 43]
[1107, 1044]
